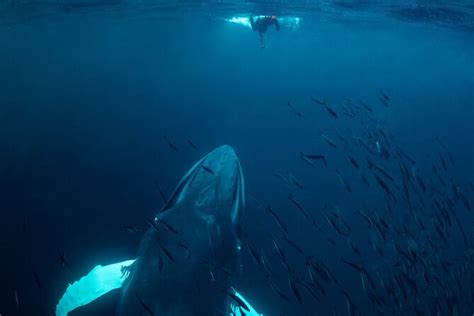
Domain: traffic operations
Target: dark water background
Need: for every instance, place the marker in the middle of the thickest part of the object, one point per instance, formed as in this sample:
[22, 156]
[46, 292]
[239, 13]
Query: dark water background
[87, 95]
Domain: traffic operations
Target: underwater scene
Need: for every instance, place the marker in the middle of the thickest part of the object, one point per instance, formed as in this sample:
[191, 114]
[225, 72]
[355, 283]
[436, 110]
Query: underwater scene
[186, 158]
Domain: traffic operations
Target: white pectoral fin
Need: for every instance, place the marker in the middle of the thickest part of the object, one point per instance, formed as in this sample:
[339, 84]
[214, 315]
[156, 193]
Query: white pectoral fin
[99, 281]
[236, 308]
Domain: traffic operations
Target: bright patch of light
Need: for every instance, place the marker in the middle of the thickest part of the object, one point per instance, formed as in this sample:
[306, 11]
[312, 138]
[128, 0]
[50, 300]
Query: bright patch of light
[245, 21]
[292, 22]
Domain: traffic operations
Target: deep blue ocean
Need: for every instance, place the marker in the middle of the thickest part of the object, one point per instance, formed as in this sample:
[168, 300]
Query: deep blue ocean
[360, 117]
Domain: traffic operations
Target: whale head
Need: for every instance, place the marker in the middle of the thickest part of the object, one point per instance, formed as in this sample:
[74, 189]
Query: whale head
[213, 187]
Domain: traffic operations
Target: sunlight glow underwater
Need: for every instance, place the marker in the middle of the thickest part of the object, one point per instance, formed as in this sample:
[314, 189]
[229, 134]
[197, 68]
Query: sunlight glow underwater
[292, 22]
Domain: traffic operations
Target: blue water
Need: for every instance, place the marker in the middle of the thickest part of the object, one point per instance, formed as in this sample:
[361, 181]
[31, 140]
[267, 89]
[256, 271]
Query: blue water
[89, 94]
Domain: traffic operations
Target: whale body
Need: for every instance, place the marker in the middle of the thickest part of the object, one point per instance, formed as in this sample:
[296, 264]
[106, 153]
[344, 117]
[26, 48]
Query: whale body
[189, 259]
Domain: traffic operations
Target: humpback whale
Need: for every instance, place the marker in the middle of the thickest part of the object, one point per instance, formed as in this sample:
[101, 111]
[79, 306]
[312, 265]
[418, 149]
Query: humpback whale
[189, 259]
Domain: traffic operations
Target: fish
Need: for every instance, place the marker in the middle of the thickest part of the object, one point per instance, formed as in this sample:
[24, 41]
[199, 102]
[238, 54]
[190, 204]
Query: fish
[277, 291]
[253, 252]
[146, 308]
[170, 144]
[353, 265]
[63, 260]
[443, 163]
[294, 110]
[295, 290]
[328, 108]
[383, 98]
[309, 267]
[331, 111]
[131, 229]
[265, 264]
[363, 104]
[310, 289]
[353, 247]
[278, 250]
[451, 159]
[378, 147]
[292, 179]
[346, 111]
[338, 223]
[380, 169]
[343, 182]
[160, 220]
[16, 299]
[460, 195]
[406, 156]
[320, 287]
[282, 178]
[320, 272]
[193, 145]
[366, 145]
[380, 229]
[365, 216]
[351, 308]
[299, 207]
[384, 95]
[152, 223]
[186, 248]
[294, 245]
[361, 270]
[259, 204]
[383, 185]
[160, 263]
[318, 100]
[439, 177]
[375, 245]
[364, 286]
[306, 159]
[37, 279]
[328, 272]
[277, 219]
[166, 252]
[421, 183]
[353, 161]
[364, 179]
[162, 195]
[207, 169]
[311, 157]
[329, 141]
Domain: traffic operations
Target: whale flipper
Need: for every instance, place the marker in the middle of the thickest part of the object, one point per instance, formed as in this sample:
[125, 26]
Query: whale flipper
[99, 281]
[236, 309]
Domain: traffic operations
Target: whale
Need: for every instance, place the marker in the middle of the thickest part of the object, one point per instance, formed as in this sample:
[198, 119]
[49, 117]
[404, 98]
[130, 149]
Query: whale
[188, 262]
